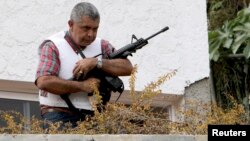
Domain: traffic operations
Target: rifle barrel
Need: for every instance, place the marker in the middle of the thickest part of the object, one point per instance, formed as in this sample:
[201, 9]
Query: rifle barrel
[163, 30]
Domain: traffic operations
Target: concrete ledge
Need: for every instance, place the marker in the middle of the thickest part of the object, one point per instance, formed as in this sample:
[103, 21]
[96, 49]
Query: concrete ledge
[103, 137]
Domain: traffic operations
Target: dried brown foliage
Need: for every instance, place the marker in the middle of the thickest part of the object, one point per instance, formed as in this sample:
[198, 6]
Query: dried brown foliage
[137, 118]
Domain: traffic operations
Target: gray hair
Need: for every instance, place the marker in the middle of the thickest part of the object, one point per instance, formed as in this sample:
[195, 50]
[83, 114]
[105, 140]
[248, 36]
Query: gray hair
[84, 9]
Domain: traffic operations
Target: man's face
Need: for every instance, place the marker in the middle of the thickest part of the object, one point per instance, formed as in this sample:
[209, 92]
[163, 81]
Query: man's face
[84, 32]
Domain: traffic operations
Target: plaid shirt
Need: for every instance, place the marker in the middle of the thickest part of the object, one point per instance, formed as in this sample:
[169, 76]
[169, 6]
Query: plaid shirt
[49, 63]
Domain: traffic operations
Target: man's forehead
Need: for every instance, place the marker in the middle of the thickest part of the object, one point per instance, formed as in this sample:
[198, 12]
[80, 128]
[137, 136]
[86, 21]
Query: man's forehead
[90, 19]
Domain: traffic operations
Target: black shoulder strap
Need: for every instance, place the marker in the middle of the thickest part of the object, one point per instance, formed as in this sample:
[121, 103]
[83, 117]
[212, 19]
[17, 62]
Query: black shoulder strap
[72, 108]
[65, 97]
[73, 45]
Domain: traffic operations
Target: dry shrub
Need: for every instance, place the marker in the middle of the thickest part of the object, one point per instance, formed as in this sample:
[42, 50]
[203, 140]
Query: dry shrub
[137, 118]
[199, 115]
[14, 122]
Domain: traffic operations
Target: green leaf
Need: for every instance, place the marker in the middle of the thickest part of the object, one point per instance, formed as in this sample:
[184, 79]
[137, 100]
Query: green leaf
[245, 27]
[212, 35]
[228, 42]
[214, 45]
[238, 42]
[246, 50]
[246, 11]
[239, 28]
[232, 35]
[215, 56]
[217, 5]
[214, 50]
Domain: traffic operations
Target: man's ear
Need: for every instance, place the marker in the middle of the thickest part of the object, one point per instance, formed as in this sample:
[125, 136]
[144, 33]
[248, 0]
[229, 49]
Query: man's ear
[70, 23]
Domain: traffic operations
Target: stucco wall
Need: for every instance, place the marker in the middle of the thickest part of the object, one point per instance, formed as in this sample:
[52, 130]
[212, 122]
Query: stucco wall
[24, 24]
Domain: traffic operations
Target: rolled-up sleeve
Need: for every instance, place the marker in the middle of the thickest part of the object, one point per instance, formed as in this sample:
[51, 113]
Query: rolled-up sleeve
[107, 48]
[49, 62]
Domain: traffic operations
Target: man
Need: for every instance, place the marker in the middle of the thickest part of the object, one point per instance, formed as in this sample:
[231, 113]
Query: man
[60, 60]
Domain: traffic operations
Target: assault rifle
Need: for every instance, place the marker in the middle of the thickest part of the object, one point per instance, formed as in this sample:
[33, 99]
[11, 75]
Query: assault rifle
[109, 83]
[115, 84]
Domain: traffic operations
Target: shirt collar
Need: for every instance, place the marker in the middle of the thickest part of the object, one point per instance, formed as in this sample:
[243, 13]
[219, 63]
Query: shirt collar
[71, 42]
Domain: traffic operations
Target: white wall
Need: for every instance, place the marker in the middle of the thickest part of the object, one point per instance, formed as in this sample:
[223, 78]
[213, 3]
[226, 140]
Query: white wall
[24, 24]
